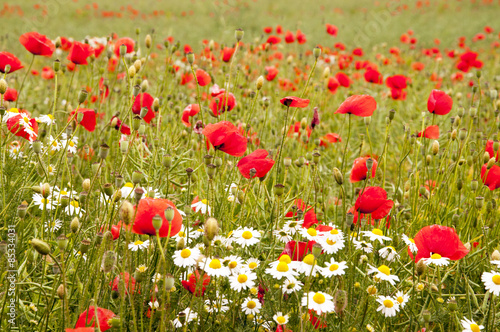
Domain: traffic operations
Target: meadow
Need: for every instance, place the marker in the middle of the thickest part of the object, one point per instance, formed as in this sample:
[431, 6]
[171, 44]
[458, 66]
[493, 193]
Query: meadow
[249, 166]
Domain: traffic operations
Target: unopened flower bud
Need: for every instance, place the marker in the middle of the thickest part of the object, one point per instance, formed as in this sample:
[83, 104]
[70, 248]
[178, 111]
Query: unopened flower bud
[420, 268]
[473, 185]
[21, 211]
[40, 246]
[3, 86]
[131, 71]
[61, 291]
[108, 261]
[340, 301]
[479, 202]
[317, 249]
[259, 83]
[137, 177]
[316, 52]
[82, 96]
[157, 222]
[169, 282]
[426, 315]
[190, 57]
[452, 304]
[211, 228]
[74, 225]
[495, 255]
[435, 147]
[148, 41]
[156, 104]
[45, 190]
[238, 34]
[62, 242]
[337, 175]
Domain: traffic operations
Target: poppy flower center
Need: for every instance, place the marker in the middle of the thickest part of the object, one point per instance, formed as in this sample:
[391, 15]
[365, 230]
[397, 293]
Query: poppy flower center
[388, 304]
[281, 320]
[233, 264]
[436, 256]
[215, 264]
[251, 304]
[319, 298]
[312, 232]
[285, 259]
[138, 242]
[496, 279]
[385, 270]
[247, 235]
[309, 259]
[330, 242]
[185, 253]
[282, 267]
[474, 328]
[242, 278]
[252, 265]
[334, 267]
[377, 231]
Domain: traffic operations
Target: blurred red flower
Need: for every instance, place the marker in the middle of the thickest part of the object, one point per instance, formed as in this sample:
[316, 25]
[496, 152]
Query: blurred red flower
[79, 53]
[37, 44]
[203, 77]
[359, 105]
[16, 125]
[331, 29]
[222, 102]
[104, 315]
[297, 250]
[190, 111]
[309, 216]
[329, 138]
[431, 132]
[10, 95]
[144, 100]
[128, 42]
[359, 169]
[128, 281]
[89, 118]
[491, 177]
[7, 58]
[291, 101]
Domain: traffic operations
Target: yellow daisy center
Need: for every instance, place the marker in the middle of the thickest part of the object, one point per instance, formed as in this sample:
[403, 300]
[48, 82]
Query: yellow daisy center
[185, 253]
[215, 264]
[252, 265]
[496, 279]
[50, 116]
[334, 267]
[411, 240]
[75, 204]
[242, 278]
[45, 201]
[26, 120]
[247, 235]
[285, 259]
[282, 267]
[54, 143]
[204, 201]
[181, 234]
[129, 184]
[138, 242]
[281, 320]
[436, 256]
[377, 231]
[319, 298]
[233, 264]
[334, 231]
[141, 268]
[474, 328]
[388, 303]
[311, 231]
[400, 299]
[251, 304]
[330, 242]
[64, 193]
[309, 259]
[71, 143]
[385, 270]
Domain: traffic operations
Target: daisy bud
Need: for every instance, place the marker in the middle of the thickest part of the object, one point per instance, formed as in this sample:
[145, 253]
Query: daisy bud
[137, 65]
[180, 244]
[211, 168]
[340, 301]
[479, 202]
[61, 291]
[156, 104]
[211, 228]
[74, 225]
[452, 304]
[473, 185]
[45, 190]
[137, 177]
[3, 86]
[316, 52]
[108, 261]
[279, 189]
[420, 268]
[169, 282]
[337, 175]
[238, 34]
[148, 41]
[21, 211]
[127, 212]
[131, 71]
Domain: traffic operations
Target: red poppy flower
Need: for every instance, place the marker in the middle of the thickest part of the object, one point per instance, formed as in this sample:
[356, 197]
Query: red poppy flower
[48, 73]
[357, 51]
[271, 73]
[119, 125]
[226, 137]
[331, 30]
[273, 40]
[37, 44]
[79, 53]
[398, 94]
[89, 118]
[301, 37]
[189, 111]
[128, 281]
[437, 239]
[128, 42]
[373, 76]
[431, 132]
[203, 77]
[359, 105]
[289, 37]
[489, 149]
[150, 207]
[144, 100]
[297, 250]
[193, 284]
[18, 129]
[104, 315]
[491, 177]
[309, 216]
[65, 44]
[268, 29]
[256, 160]
[10, 95]
[186, 78]
[359, 169]
[316, 320]
[373, 200]
[396, 82]
[439, 102]
[222, 102]
[330, 138]
[469, 60]
[7, 58]
[333, 84]
[227, 53]
[81, 329]
[343, 79]
[294, 102]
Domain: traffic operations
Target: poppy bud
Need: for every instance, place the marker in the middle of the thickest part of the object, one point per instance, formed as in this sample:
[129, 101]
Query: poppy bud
[472, 112]
[180, 244]
[337, 175]
[453, 135]
[426, 315]
[126, 212]
[137, 65]
[62, 242]
[428, 159]
[478, 74]
[156, 104]
[74, 225]
[462, 134]
[211, 228]
[190, 57]
[435, 147]
[496, 145]
[456, 122]
[479, 202]
[259, 83]
[316, 157]
[169, 282]
[137, 177]
[238, 34]
[3, 86]
[42, 247]
[169, 214]
[211, 168]
[317, 249]
[21, 211]
[287, 161]
[82, 96]
[490, 163]
[420, 268]
[316, 52]
[131, 71]
[340, 301]
[144, 86]
[45, 190]
[148, 41]
[157, 222]
[279, 189]
[108, 261]
[495, 255]
[37, 146]
[452, 304]
[61, 291]
[56, 65]
[103, 151]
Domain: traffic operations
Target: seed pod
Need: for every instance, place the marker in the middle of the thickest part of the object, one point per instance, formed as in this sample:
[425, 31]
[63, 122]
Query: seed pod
[82, 96]
[108, 261]
[490, 163]
[279, 189]
[238, 34]
[316, 52]
[84, 246]
[473, 185]
[479, 202]
[62, 242]
[40, 246]
[190, 57]
[61, 291]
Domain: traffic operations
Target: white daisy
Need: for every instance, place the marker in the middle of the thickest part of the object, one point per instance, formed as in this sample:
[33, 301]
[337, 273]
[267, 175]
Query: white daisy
[52, 225]
[388, 306]
[202, 206]
[48, 119]
[319, 302]
[281, 270]
[383, 272]
[470, 325]
[186, 257]
[214, 268]
[388, 253]
[55, 145]
[134, 246]
[70, 143]
[156, 278]
[251, 306]
[363, 245]
[242, 280]
[331, 246]
[9, 114]
[334, 234]
[43, 203]
[78, 253]
[234, 263]
[220, 304]
[309, 265]
[189, 315]
[310, 234]
[280, 319]
[491, 281]
[74, 208]
[292, 226]
[333, 268]
[402, 298]
[376, 235]
[127, 190]
[246, 237]
[437, 259]
[410, 243]
[154, 305]
[291, 285]
[15, 150]
[282, 236]
[252, 263]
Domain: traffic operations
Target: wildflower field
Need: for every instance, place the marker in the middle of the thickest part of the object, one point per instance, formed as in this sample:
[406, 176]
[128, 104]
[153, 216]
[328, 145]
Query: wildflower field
[250, 165]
